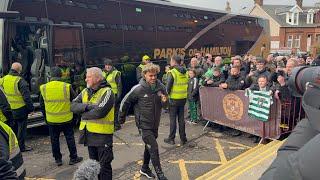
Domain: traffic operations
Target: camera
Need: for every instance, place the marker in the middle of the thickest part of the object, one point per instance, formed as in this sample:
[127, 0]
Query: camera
[301, 76]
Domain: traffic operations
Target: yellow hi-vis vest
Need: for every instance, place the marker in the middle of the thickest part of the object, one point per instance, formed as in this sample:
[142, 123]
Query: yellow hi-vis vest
[10, 87]
[56, 97]
[65, 74]
[180, 85]
[104, 125]
[141, 66]
[111, 79]
[2, 116]
[15, 155]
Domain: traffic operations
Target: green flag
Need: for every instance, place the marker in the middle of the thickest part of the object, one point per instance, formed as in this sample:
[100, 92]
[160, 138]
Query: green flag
[259, 104]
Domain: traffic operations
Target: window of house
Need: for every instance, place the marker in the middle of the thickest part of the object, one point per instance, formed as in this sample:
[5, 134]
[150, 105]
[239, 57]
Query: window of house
[310, 18]
[318, 38]
[296, 42]
[289, 41]
[295, 18]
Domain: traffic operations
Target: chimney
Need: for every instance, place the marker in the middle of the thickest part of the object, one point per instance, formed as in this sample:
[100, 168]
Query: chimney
[299, 3]
[228, 8]
[259, 2]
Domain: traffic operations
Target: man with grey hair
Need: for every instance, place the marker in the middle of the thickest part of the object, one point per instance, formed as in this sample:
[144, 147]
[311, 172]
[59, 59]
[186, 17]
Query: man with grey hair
[96, 105]
[18, 96]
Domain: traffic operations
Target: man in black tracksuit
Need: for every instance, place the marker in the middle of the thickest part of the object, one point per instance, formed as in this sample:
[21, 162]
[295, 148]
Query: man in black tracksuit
[176, 106]
[99, 144]
[148, 97]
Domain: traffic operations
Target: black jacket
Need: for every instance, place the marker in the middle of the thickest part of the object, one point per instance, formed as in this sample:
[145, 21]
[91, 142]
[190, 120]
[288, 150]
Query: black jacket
[23, 87]
[6, 167]
[170, 81]
[89, 112]
[193, 89]
[235, 82]
[5, 107]
[7, 170]
[217, 80]
[42, 105]
[147, 105]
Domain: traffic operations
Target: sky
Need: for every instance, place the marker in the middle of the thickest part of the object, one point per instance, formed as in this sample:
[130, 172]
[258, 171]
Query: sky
[237, 5]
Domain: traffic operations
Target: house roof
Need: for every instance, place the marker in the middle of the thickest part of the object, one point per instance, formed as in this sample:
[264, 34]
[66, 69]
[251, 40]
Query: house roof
[278, 13]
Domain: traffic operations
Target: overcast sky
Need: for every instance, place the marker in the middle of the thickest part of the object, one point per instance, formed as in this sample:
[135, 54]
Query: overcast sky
[236, 5]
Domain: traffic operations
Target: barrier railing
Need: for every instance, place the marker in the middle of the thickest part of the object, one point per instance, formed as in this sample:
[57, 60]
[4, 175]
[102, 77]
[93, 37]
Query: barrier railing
[230, 108]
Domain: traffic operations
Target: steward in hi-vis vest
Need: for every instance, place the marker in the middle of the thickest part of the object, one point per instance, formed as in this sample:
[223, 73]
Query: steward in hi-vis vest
[96, 106]
[55, 103]
[10, 151]
[17, 92]
[113, 77]
[145, 60]
[177, 87]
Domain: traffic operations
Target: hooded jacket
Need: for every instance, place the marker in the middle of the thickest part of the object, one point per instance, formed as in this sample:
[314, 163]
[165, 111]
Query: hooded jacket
[170, 81]
[23, 87]
[147, 104]
[89, 112]
[298, 157]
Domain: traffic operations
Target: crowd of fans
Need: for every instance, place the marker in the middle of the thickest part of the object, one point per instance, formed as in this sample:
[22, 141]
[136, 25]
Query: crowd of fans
[253, 72]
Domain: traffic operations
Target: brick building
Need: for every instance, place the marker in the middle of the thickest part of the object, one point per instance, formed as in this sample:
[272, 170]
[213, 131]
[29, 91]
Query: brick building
[294, 27]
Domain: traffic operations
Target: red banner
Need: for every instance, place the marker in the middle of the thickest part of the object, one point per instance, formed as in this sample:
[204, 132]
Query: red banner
[230, 108]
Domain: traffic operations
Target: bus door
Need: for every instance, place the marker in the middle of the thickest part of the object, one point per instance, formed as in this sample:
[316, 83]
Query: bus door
[23, 44]
[67, 52]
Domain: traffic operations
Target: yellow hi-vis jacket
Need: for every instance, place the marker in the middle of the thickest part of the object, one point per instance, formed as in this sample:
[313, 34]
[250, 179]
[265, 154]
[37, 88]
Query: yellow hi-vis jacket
[15, 155]
[111, 79]
[10, 87]
[103, 125]
[180, 85]
[56, 97]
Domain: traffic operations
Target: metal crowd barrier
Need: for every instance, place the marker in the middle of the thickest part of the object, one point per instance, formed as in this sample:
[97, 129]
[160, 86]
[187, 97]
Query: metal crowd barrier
[230, 108]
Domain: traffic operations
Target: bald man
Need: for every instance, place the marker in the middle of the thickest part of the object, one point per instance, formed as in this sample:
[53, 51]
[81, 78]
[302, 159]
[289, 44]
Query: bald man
[18, 96]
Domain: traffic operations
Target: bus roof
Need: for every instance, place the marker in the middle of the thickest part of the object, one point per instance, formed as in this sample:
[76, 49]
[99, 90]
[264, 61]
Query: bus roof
[168, 3]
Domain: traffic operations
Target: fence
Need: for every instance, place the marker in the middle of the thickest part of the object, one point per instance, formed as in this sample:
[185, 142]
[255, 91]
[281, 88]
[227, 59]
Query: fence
[230, 108]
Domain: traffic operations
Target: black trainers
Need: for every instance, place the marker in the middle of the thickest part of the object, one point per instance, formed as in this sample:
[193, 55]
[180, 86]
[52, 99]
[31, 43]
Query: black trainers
[26, 149]
[161, 176]
[75, 160]
[183, 142]
[147, 172]
[169, 141]
[59, 162]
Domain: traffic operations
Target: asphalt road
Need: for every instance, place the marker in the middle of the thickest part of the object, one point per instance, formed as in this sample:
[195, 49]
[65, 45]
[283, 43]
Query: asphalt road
[205, 151]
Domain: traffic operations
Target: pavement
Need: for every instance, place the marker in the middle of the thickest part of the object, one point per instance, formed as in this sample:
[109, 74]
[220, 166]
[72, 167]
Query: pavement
[205, 151]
